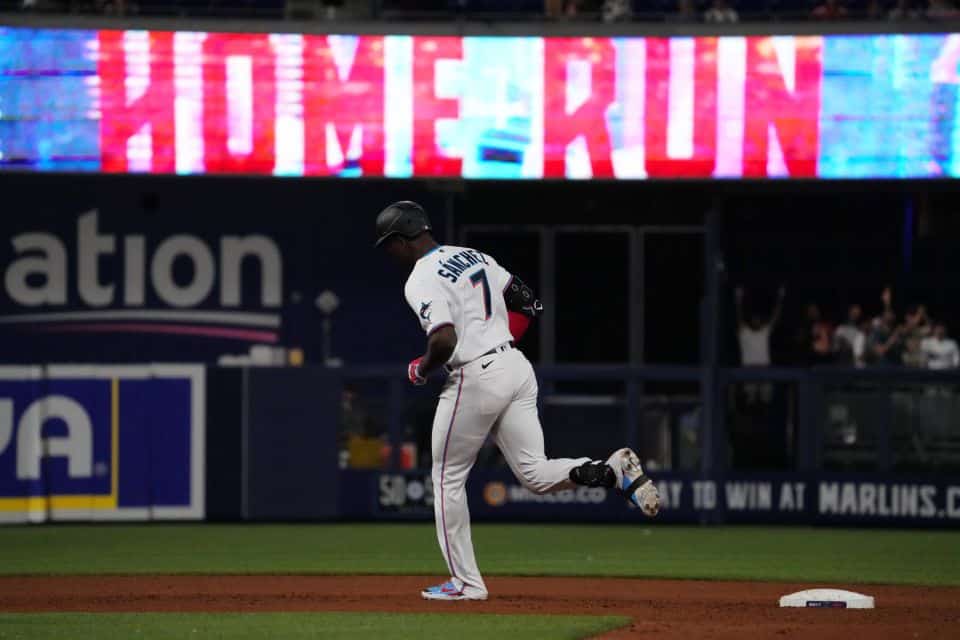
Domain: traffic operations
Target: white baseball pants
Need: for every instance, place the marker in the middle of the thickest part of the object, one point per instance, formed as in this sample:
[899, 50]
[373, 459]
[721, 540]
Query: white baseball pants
[500, 398]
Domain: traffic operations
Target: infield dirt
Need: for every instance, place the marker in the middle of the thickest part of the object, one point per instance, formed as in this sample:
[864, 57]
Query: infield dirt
[663, 609]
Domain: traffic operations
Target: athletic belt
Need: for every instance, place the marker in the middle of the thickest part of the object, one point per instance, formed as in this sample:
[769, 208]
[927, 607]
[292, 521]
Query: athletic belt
[506, 346]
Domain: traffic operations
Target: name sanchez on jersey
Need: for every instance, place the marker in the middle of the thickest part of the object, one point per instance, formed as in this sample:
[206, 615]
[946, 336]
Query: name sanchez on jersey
[454, 266]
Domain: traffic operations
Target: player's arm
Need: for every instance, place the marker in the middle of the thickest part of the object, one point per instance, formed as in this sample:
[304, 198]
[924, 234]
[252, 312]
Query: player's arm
[433, 312]
[522, 306]
[886, 296]
[441, 343]
[778, 307]
[738, 298]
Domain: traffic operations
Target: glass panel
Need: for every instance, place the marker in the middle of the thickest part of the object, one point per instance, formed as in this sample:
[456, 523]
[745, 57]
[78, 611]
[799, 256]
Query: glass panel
[673, 286]
[853, 421]
[925, 428]
[671, 433]
[575, 426]
[922, 420]
[363, 423]
[592, 297]
[761, 424]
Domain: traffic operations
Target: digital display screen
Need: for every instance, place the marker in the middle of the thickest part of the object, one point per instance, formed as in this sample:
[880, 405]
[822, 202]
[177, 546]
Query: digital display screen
[837, 106]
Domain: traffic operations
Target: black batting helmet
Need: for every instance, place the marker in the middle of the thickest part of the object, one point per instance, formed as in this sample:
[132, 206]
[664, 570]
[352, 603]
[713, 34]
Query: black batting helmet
[404, 218]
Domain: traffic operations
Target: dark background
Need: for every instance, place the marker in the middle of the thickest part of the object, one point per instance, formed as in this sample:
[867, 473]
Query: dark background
[830, 243]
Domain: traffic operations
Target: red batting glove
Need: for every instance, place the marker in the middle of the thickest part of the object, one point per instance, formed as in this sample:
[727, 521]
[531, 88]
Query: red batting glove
[519, 323]
[413, 373]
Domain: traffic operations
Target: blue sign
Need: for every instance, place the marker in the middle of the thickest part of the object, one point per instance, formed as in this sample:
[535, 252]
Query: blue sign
[101, 443]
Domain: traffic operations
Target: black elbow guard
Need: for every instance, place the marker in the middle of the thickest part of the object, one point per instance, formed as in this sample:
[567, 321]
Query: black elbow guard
[520, 298]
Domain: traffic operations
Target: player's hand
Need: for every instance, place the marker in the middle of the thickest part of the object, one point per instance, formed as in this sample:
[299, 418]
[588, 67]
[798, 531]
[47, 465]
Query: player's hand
[413, 373]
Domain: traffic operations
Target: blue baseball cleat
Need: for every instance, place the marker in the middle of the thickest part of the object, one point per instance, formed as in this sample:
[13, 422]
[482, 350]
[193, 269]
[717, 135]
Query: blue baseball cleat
[447, 591]
[632, 483]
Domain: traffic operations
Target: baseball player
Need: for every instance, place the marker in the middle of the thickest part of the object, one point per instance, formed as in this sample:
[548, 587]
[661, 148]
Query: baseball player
[473, 311]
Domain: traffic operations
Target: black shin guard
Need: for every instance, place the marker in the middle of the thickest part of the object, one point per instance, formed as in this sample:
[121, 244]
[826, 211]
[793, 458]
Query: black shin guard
[593, 474]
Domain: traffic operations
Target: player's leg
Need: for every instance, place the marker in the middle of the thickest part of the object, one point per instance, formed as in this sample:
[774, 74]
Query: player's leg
[459, 430]
[519, 435]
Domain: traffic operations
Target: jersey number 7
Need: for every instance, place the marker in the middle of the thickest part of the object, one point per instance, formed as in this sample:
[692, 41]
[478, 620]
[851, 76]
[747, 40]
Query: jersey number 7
[480, 277]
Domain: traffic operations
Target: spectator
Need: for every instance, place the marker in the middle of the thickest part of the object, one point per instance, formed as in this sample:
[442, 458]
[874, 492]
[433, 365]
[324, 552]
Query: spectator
[924, 324]
[886, 297]
[914, 332]
[815, 342]
[942, 10]
[874, 10]
[849, 339]
[884, 344]
[941, 352]
[754, 339]
[754, 335]
[616, 10]
[112, 7]
[355, 419]
[905, 10]
[571, 8]
[829, 10]
[686, 11]
[720, 12]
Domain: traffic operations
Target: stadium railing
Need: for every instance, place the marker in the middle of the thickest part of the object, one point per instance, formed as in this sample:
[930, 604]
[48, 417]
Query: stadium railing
[837, 418]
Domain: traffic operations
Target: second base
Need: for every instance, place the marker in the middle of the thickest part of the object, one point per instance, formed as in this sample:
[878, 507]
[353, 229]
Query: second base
[830, 598]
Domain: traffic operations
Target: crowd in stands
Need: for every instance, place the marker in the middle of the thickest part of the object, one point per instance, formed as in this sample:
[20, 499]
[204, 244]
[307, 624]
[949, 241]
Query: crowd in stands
[711, 11]
[912, 339]
[731, 11]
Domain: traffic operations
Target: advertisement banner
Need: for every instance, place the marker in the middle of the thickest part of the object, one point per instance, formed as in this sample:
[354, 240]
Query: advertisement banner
[101, 443]
[830, 106]
[97, 269]
[773, 498]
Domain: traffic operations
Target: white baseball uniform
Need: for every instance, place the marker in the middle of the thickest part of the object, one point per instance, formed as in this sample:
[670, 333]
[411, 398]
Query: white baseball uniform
[491, 389]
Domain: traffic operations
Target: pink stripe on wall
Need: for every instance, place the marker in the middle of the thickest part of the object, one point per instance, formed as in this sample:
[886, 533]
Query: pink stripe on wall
[249, 335]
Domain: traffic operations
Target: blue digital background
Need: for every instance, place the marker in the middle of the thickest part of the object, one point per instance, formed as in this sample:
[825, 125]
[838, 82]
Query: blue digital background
[879, 109]
[47, 102]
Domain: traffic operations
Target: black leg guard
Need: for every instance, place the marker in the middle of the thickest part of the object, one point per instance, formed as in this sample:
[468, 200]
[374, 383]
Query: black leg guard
[593, 474]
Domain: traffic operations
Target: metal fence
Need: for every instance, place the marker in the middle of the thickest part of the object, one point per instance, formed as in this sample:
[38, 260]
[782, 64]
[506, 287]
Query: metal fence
[769, 419]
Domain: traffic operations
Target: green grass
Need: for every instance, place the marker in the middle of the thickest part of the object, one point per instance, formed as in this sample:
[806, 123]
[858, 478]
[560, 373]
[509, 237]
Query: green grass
[754, 553]
[293, 626]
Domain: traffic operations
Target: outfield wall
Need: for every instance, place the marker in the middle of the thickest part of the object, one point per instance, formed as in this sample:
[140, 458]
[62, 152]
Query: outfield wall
[268, 444]
[733, 498]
